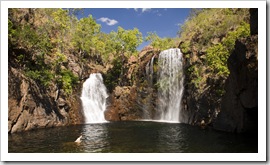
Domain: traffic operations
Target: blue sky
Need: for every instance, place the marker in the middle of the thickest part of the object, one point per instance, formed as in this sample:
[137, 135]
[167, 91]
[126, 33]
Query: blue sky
[164, 21]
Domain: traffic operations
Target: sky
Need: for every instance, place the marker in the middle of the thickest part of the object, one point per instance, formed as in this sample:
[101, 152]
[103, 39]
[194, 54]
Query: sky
[164, 21]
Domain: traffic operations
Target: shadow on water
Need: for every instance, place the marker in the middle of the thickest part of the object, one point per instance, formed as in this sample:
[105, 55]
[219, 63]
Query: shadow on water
[131, 137]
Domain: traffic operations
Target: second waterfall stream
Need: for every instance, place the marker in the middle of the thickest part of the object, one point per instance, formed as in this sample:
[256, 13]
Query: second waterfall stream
[171, 88]
[94, 95]
[170, 81]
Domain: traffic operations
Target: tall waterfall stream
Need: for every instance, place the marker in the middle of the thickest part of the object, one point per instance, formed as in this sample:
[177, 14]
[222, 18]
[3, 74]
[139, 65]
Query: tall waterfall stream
[170, 81]
[93, 98]
[170, 84]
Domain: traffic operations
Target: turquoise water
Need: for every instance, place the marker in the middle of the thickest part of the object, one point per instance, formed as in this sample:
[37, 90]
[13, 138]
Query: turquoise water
[131, 137]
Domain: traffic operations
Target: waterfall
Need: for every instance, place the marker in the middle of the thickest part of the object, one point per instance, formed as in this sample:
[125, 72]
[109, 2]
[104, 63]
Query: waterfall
[149, 71]
[93, 98]
[148, 95]
[170, 81]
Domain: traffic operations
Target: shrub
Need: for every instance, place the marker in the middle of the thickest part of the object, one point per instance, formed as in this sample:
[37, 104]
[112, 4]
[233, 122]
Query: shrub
[217, 55]
[44, 77]
[207, 39]
[66, 80]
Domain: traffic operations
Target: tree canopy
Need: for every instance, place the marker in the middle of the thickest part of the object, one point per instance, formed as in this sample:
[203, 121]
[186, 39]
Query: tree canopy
[45, 38]
[161, 43]
[49, 36]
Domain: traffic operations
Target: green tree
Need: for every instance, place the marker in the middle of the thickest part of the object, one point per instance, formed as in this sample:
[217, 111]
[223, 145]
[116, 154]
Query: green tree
[47, 38]
[85, 29]
[160, 43]
[125, 42]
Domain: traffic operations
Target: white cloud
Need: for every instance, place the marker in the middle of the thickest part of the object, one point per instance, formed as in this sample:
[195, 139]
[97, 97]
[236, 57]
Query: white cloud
[108, 21]
[145, 9]
[142, 9]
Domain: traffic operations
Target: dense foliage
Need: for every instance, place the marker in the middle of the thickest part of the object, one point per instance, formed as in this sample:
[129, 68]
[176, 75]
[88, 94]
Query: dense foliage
[207, 39]
[42, 41]
[161, 43]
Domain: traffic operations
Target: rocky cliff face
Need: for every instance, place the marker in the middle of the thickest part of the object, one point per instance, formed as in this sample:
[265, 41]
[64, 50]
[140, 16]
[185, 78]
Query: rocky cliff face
[226, 103]
[239, 106]
[31, 107]
[202, 97]
[136, 100]
[200, 109]
[122, 105]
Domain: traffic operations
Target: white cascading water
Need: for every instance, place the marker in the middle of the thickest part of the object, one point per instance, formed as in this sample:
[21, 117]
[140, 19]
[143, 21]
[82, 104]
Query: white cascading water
[147, 104]
[150, 71]
[170, 81]
[94, 94]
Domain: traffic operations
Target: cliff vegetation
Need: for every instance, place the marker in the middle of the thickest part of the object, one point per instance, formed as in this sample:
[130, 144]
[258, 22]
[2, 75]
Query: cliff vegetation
[207, 40]
[52, 52]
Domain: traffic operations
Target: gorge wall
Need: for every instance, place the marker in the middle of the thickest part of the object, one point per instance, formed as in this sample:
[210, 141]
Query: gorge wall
[137, 98]
[227, 104]
[224, 103]
[239, 105]
[31, 106]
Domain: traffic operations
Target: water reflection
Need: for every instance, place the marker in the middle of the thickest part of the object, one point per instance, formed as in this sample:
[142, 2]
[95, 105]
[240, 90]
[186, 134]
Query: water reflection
[130, 137]
[45, 140]
[172, 139]
[94, 138]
